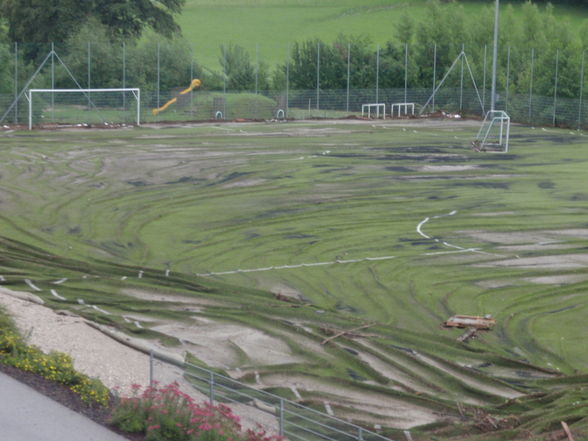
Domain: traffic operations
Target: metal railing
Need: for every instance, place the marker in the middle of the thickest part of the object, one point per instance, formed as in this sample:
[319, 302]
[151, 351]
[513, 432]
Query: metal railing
[294, 421]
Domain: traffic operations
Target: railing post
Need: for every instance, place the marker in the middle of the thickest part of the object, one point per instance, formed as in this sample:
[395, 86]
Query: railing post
[211, 389]
[281, 416]
[151, 362]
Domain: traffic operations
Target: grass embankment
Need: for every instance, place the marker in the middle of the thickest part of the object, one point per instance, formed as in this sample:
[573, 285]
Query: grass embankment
[267, 27]
[110, 211]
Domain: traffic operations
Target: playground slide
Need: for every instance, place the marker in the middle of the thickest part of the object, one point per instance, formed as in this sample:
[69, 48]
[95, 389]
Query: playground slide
[194, 84]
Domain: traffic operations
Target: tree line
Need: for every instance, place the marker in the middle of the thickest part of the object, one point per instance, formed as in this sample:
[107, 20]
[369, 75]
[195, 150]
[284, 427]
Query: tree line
[530, 48]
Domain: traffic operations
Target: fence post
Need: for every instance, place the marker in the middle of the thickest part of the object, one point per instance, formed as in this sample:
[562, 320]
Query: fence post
[281, 418]
[52, 81]
[348, 74]
[124, 73]
[211, 388]
[555, 85]
[256, 70]
[405, 72]
[434, 73]
[318, 72]
[151, 362]
[15, 82]
[461, 79]
[89, 68]
[581, 91]
[531, 84]
[287, 81]
[484, 78]
[360, 434]
[507, 79]
[158, 74]
[378, 75]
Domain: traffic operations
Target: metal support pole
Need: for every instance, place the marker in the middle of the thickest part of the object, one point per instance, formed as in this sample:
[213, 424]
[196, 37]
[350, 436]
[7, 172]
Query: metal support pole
[434, 74]
[581, 91]
[124, 73]
[256, 69]
[151, 363]
[507, 79]
[495, 56]
[531, 84]
[281, 418]
[191, 78]
[52, 82]
[461, 79]
[555, 85]
[348, 74]
[360, 434]
[484, 78]
[287, 82]
[211, 388]
[318, 71]
[15, 83]
[378, 77]
[158, 74]
[89, 68]
[405, 72]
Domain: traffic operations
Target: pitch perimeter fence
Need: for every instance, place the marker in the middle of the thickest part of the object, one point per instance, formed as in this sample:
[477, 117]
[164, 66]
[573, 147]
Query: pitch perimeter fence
[116, 108]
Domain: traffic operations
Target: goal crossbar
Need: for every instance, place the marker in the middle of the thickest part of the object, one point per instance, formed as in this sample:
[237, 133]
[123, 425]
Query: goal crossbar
[135, 91]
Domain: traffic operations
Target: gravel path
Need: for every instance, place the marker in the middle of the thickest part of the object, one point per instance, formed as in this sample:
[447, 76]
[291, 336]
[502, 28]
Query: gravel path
[97, 355]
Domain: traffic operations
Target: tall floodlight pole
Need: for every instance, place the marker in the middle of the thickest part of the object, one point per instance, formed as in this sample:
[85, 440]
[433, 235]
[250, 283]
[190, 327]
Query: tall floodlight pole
[494, 57]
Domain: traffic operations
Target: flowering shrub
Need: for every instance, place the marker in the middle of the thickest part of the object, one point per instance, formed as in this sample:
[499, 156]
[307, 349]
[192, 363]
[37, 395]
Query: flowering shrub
[167, 414]
[54, 366]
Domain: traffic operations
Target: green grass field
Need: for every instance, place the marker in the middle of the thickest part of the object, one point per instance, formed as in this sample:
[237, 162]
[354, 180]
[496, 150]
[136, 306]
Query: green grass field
[267, 27]
[396, 225]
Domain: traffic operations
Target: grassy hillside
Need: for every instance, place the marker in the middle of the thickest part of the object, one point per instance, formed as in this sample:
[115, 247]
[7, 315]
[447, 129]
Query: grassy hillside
[273, 24]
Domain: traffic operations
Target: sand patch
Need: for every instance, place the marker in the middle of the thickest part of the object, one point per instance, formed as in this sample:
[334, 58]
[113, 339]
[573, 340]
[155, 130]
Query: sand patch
[224, 345]
[559, 262]
[557, 280]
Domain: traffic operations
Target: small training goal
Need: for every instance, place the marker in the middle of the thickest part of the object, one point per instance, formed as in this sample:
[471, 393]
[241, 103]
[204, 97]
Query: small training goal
[494, 134]
[380, 109]
[400, 109]
[84, 107]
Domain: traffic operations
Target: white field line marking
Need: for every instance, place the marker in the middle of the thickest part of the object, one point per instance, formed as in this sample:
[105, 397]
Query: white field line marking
[328, 409]
[60, 281]
[54, 294]
[447, 244]
[100, 310]
[299, 265]
[32, 285]
[295, 392]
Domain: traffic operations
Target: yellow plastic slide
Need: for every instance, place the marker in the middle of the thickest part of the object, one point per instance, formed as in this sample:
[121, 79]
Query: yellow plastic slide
[194, 84]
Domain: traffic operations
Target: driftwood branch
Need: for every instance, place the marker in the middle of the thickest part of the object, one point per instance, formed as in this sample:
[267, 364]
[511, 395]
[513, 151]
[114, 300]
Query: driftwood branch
[349, 331]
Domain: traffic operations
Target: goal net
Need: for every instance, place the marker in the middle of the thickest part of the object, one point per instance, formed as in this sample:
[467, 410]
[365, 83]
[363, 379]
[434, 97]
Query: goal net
[84, 107]
[494, 133]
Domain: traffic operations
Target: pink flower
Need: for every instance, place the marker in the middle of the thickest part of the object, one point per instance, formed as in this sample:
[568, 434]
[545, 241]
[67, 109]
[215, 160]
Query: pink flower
[205, 427]
[154, 427]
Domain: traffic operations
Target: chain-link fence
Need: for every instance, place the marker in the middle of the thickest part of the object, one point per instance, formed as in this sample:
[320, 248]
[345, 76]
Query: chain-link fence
[457, 87]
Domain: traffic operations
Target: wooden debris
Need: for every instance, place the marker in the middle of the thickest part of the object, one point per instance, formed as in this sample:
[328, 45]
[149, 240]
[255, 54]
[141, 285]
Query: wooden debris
[470, 321]
[345, 332]
[470, 333]
[567, 431]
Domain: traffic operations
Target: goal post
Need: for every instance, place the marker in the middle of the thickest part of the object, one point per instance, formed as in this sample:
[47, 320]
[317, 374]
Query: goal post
[494, 133]
[86, 106]
[402, 108]
[367, 108]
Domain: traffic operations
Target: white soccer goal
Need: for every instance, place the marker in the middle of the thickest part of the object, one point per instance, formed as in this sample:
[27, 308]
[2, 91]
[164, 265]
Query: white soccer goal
[402, 108]
[494, 133]
[84, 106]
[367, 108]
